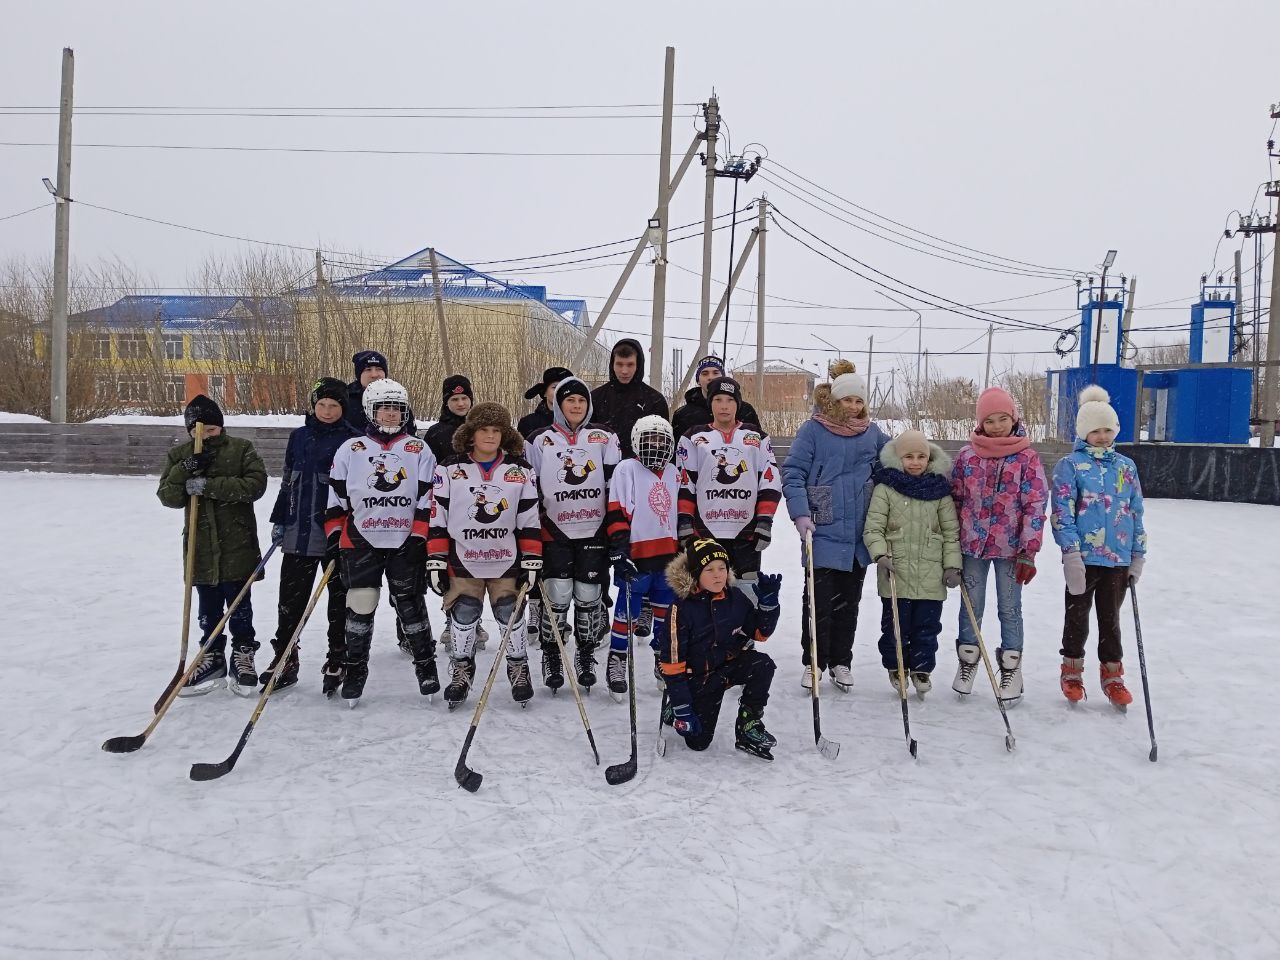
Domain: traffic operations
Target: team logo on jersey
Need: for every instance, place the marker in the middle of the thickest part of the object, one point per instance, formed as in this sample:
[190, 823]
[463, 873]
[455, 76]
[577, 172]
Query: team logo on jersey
[357, 446]
[660, 503]
[514, 475]
[548, 440]
[413, 446]
[751, 439]
[575, 466]
[459, 473]
[388, 472]
[597, 436]
[731, 463]
[489, 503]
[700, 439]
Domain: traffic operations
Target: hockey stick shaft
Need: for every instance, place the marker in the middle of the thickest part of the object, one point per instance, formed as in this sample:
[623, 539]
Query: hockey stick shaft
[986, 662]
[573, 683]
[212, 771]
[188, 572]
[828, 748]
[902, 669]
[1142, 666]
[467, 778]
[622, 772]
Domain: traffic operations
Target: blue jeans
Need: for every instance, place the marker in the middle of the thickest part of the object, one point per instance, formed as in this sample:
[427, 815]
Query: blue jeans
[650, 585]
[1008, 601]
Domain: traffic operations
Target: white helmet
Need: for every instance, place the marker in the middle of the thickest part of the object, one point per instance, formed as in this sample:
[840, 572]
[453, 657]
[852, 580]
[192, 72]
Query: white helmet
[386, 393]
[653, 442]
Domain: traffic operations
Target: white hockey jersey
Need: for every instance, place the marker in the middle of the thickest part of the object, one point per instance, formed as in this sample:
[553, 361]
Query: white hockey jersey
[380, 491]
[574, 469]
[484, 521]
[729, 483]
[642, 514]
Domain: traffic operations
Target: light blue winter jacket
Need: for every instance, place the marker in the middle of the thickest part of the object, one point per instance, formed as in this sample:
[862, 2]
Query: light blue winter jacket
[827, 478]
[1097, 506]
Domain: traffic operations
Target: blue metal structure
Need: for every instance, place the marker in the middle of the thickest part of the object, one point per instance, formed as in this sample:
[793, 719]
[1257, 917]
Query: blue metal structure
[1213, 324]
[1104, 306]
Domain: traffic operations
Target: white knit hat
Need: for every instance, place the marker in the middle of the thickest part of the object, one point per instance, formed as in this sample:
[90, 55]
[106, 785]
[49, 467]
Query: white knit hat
[1096, 412]
[846, 381]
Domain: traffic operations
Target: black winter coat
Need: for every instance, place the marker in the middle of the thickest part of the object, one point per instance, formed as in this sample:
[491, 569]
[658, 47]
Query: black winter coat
[439, 435]
[696, 412]
[619, 405]
[304, 493]
[531, 423]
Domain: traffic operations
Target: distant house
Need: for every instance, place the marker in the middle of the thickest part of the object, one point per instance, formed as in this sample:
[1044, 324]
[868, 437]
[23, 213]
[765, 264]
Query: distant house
[787, 396]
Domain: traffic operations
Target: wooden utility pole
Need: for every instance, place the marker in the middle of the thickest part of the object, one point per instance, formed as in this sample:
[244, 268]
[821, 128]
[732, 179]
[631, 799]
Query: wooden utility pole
[664, 198]
[871, 350]
[711, 114]
[760, 232]
[61, 247]
[986, 376]
[321, 326]
[437, 291]
[1237, 333]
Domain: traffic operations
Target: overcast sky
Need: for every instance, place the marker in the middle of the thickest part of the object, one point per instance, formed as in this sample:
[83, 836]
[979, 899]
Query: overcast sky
[1043, 133]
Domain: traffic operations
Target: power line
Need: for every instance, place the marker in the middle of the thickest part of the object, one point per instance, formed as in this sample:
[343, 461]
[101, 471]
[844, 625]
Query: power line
[371, 109]
[83, 114]
[358, 151]
[23, 213]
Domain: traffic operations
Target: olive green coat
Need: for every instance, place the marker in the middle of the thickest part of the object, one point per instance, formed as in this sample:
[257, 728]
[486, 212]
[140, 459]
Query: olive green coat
[226, 531]
[922, 535]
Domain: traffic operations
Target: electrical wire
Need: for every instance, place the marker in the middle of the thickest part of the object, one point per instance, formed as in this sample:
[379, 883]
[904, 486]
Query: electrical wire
[83, 114]
[352, 151]
[372, 109]
[23, 213]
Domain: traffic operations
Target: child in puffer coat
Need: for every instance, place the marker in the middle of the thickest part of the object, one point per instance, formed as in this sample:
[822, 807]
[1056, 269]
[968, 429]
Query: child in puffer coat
[710, 648]
[1097, 521]
[1000, 491]
[913, 535]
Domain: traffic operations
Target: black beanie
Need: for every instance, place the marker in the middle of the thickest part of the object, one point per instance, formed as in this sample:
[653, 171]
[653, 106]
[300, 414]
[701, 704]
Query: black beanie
[703, 552]
[455, 385]
[571, 387]
[549, 376]
[329, 388]
[365, 359]
[202, 409]
[724, 385]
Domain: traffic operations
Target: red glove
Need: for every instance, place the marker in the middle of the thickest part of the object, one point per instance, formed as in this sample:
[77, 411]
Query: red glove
[1025, 570]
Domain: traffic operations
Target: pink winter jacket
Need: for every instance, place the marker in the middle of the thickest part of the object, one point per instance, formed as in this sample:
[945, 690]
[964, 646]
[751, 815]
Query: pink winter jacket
[1001, 502]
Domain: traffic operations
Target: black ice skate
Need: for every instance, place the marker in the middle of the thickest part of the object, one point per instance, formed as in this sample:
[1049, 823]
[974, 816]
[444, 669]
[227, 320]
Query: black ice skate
[209, 676]
[331, 677]
[644, 625]
[521, 685]
[288, 675]
[463, 671]
[242, 676]
[616, 674]
[751, 736]
[584, 657]
[353, 682]
[552, 667]
[428, 678]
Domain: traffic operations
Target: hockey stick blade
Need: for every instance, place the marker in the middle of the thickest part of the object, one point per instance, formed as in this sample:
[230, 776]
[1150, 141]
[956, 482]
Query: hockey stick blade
[468, 779]
[620, 773]
[212, 771]
[124, 744]
[829, 749]
[912, 747]
[1010, 743]
[1152, 755]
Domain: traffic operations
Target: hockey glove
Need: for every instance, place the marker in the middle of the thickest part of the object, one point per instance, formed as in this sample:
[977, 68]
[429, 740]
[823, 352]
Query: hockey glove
[762, 536]
[197, 463]
[1073, 570]
[277, 533]
[951, 578]
[805, 526]
[885, 563]
[1135, 567]
[332, 545]
[531, 567]
[437, 576]
[196, 485]
[687, 723]
[1025, 570]
[624, 571]
[767, 588]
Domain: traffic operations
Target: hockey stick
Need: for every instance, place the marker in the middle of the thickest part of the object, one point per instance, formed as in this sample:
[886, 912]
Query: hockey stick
[188, 576]
[1142, 666]
[130, 744]
[902, 670]
[1009, 741]
[212, 771]
[828, 748]
[467, 778]
[622, 772]
[573, 685]
[660, 748]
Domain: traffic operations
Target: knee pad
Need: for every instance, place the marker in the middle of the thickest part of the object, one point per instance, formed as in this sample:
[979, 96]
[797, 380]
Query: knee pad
[558, 592]
[503, 610]
[465, 611]
[586, 594]
[362, 600]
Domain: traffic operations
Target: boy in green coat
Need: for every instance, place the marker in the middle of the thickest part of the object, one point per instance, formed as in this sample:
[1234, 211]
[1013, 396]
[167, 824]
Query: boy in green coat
[227, 476]
[912, 533]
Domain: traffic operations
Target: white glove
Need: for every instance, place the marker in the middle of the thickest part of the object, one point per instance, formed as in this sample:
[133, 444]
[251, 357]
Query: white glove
[1073, 570]
[437, 575]
[1135, 567]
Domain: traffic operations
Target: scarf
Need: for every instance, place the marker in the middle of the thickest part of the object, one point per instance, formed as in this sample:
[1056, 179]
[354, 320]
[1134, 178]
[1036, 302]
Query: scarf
[994, 448]
[843, 428]
[927, 486]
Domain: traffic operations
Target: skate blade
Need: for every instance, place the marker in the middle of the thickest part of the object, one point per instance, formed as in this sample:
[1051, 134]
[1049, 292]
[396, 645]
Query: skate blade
[244, 689]
[764, 754]
[1010, 704]
[618, 697]
[842, 687]
[351, 704]
[204, 688]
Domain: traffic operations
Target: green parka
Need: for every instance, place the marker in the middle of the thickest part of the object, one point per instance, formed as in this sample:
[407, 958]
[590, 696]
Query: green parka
[226, 531]
[922, 535]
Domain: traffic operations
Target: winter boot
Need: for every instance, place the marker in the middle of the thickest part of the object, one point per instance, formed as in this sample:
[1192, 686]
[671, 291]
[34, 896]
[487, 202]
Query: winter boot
[1113, 685]
[967, 670]
[242, 676]
[584, 662]
[463, 671]
[288, 675]
[923, 682]
[552, 667]
[331, 676]
[518, 674]
[751, 736]
[616, 673]
[644, 625]
[1010, 676]
[842, 678]
[209, 676]
[1073, 678]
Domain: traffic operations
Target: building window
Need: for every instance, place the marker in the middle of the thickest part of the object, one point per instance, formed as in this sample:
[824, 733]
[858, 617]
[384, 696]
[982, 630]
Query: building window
[102, 346]
[131, 390]
[173, 346]
[206, 347]
[131, 346]
[243, 349]
[175, 390]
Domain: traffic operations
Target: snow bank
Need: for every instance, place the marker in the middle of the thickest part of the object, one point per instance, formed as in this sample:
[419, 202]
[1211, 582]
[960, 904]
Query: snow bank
[20, 418]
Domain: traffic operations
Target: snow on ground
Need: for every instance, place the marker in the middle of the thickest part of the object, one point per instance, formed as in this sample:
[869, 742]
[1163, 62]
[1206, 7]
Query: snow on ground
[6, 417]
[342, 834]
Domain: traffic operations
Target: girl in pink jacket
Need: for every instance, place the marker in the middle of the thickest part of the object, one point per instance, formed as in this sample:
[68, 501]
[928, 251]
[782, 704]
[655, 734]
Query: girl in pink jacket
[1000, 491]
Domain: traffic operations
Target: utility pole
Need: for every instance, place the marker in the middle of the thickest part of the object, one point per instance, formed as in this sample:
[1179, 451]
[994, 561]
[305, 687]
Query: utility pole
[1238, 333]
[711, 115]
[61, 246]
[760, 231]
[986, 377]
[664, 200]
[438, 292]
[322, 333]
[871, 349]
[1267, 429]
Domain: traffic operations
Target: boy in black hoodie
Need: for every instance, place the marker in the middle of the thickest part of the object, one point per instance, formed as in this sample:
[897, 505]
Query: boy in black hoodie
[625, 398]
[454, 406]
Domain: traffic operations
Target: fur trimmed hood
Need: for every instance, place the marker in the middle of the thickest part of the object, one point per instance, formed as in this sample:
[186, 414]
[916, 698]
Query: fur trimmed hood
[939, 462]
[489, 415]
[680, 578]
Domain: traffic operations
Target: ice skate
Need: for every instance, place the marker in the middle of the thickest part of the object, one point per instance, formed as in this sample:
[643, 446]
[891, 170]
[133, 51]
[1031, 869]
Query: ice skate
[1010, 662]
[751, 737]
[584, 662]
[521, 685]
[552, 668]
[428, 677]
[806, 678]
[242, 675]
[616, 674]
[1072, 680]
[463, 671]
[644, 623]
[353, 682]
[331, 676]
[841, 678]
[1113, 686]
[209, 676]
[966, 670]
[288, 675]
[922, 681]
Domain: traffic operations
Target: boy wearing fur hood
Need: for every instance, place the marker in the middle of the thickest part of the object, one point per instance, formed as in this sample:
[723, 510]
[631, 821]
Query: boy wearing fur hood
[710, 648]
[913, 535]
[1097, 521]
[484, 534]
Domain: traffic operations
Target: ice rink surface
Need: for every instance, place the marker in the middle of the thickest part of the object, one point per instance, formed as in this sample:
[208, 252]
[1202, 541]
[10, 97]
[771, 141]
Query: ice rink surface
[341, 833]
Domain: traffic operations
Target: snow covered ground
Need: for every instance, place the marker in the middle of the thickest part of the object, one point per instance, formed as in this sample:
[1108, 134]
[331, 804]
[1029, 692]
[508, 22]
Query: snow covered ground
[342, 834]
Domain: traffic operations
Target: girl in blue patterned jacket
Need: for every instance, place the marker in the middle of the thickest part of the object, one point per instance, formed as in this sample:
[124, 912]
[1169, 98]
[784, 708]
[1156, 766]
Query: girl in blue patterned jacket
[1097, 521]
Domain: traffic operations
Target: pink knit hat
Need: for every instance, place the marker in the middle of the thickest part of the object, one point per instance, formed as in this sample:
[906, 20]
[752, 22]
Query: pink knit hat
[994, 400]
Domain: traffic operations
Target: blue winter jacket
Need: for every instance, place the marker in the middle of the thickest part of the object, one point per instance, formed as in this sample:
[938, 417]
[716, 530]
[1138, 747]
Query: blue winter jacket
[827, 478]
[304, 494]
[1097, 506]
